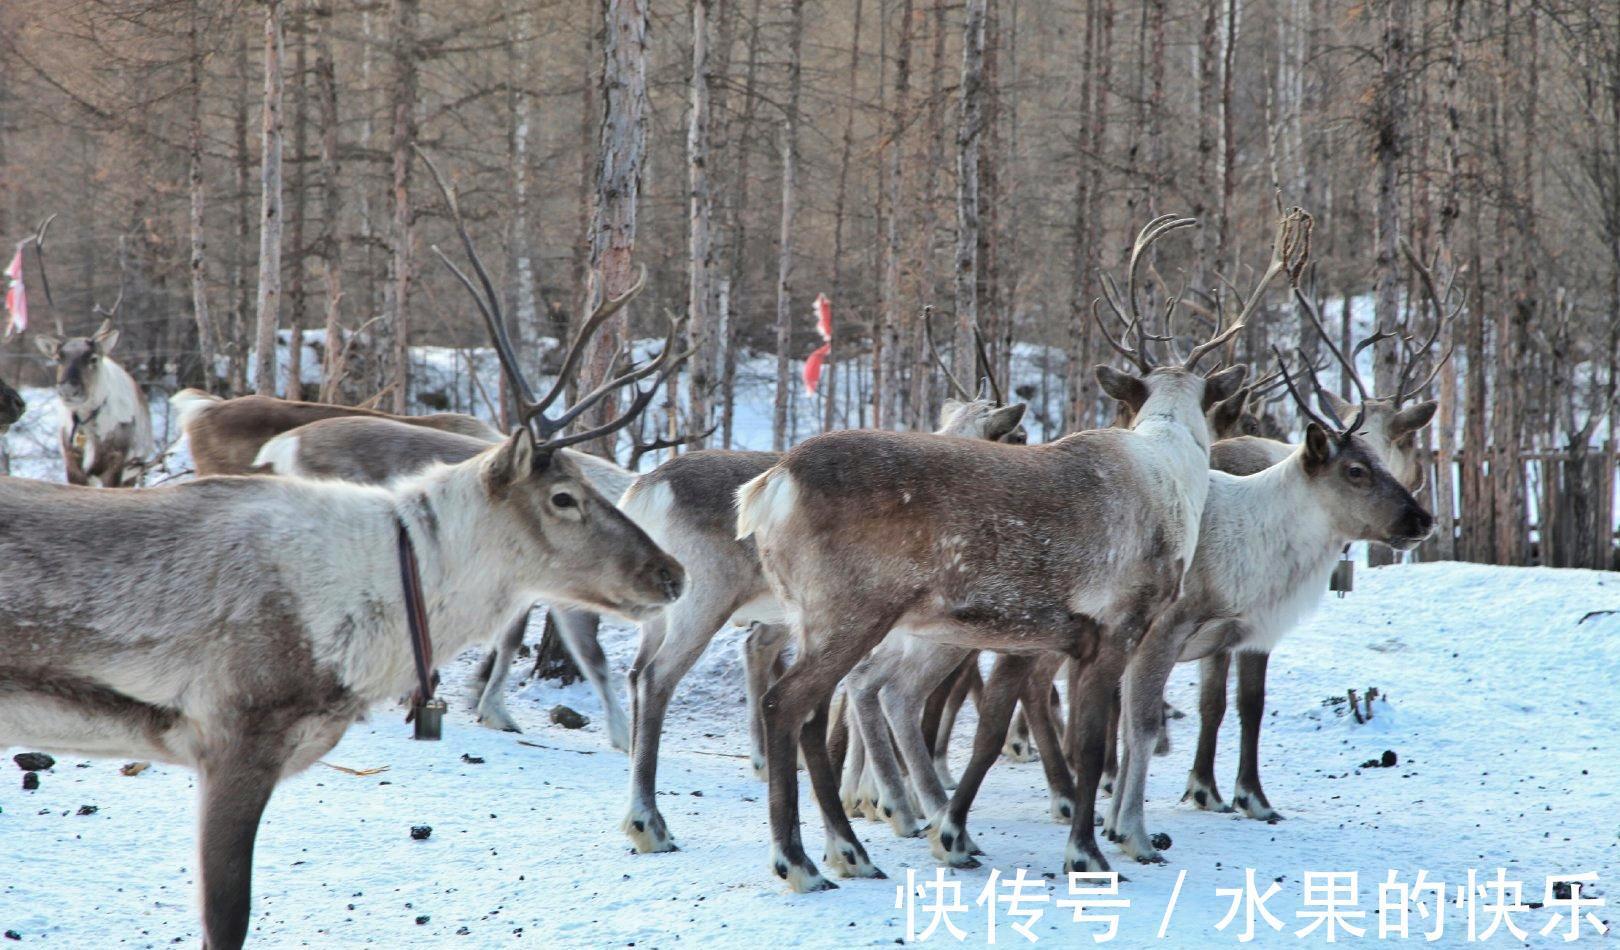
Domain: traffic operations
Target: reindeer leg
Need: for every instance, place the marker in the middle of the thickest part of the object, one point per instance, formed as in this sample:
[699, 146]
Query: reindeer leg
[683, 632]
[1142, 703]
[489, 686]
[1201, 789]
[850, 792]
[949, 833]
[235, 786]
[801, 692]
[1249, 797]
[844, 853]
[902, 698]
[1111, 749]
[968, 682]
[1019, 747]
[578, 631]
[863, 686]
[762, 648]
[1043, 729]
[1090, 687]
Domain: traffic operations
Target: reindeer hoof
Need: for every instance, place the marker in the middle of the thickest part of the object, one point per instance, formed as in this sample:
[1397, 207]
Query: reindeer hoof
[849, 860]
[801, 878]
[1204, 797]
[1062, 810]
[1084, 861]
[647, 832]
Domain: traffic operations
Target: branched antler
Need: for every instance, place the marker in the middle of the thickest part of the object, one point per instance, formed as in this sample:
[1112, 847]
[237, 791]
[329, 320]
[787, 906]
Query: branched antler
[944, 367]
[532, 411]
[1439, 301]
[1132, 321]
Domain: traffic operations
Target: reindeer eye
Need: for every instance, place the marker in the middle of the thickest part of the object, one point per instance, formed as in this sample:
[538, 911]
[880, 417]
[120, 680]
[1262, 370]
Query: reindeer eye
[1355, 473]
[563, 500]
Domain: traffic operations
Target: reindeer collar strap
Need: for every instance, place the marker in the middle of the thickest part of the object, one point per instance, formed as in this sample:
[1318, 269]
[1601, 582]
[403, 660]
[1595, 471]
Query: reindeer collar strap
[81, 421]
[427, 712]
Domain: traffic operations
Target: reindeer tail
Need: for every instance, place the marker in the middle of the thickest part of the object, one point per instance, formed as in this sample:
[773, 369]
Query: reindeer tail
[191, 403]
[764, 501]
[279, 456]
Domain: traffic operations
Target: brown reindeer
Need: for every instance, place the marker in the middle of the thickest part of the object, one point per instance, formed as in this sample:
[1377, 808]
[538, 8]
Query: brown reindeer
[106, 428]
[1076, 546]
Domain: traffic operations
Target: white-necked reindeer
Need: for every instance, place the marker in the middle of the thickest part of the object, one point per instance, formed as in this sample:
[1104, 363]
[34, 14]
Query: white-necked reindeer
[106, 428]
[688, 505]
[1389, 427]
[267, 614]
[1076, 546]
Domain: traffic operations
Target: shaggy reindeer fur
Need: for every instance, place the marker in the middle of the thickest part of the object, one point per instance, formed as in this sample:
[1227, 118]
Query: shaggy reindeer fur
[376, 451]
[239, 625]
[688, 506]
[106, 428]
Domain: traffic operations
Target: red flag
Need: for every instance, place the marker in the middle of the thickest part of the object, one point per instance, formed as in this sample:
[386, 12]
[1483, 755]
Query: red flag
[814, 363]
[16, 296]
[824, 317]
[812, 367]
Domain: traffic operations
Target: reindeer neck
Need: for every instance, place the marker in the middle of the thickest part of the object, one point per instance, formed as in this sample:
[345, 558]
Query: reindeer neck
[467, 556]
[1273, 520]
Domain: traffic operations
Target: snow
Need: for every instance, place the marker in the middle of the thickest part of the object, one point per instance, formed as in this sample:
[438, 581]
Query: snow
[1500, 708]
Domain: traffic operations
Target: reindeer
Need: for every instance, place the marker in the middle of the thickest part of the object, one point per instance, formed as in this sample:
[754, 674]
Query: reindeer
[1389, 428]
[268, 614]
[688, 506]
[1076, 546]
[12, 407]
[106, 428]
[890, 692]
[1292, 518]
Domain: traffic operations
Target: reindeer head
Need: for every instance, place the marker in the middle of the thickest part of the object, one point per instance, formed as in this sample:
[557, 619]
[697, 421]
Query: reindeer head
[984, 417]
[12, 407]
[1390, 432]
[1360, 496]
[78, 364]
[595, 556]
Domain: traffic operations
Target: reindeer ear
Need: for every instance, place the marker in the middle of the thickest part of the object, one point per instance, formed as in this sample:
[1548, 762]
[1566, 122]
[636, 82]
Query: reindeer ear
[49, 345]
[1004, 420]
[514, 460]
[107, 337]
[1340, 408]
[1220, 385]
[1224, 418]
[1318, 446]
[1412, 418]
[1122, 386]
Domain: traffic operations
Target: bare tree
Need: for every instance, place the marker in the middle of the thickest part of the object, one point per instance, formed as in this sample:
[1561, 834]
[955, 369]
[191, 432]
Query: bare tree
[970, 129]
[270, 217]
[700, 244]
[207, 341]
[784, 257]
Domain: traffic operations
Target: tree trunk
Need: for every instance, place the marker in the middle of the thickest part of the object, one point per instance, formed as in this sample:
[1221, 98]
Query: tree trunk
[270, 217]
[297, 299]
[970, 129]
[407, 17]
[700, 248]
[621, 152]
[829, 377]
[738, 217]
[238, 371]
[784, 257]
[206, 338]
[886, 330]
[331, 241]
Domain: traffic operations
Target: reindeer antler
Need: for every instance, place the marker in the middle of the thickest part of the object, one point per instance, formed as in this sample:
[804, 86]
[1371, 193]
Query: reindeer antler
[928, 335]
[1438, 301]
[531, 411]
[1290, 251]
[1150, 233]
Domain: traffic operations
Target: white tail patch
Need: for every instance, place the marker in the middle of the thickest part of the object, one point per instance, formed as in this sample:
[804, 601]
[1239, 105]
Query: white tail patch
[764, 501]
[650, 508]
[279, 455]
[191, 403]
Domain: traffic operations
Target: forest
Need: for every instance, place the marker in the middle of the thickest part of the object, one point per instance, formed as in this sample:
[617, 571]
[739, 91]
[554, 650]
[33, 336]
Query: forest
[215, 174]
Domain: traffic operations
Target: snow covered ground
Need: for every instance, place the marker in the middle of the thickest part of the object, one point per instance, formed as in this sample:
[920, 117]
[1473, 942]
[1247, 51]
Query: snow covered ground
[1501, 711]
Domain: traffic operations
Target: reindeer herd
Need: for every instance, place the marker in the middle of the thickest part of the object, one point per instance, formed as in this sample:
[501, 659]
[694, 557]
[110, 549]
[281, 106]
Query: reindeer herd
[239, 623]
